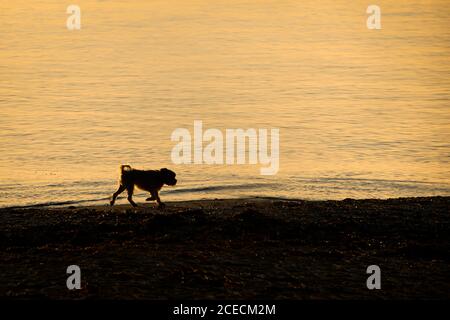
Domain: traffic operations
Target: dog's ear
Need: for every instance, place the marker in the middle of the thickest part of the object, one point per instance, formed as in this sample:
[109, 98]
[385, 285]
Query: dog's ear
[163, 169]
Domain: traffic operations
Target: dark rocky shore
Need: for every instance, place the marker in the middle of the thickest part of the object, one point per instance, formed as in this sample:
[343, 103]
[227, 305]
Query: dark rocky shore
[230, 249]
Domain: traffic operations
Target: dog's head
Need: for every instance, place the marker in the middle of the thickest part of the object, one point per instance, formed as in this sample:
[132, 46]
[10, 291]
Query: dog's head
[168, 176]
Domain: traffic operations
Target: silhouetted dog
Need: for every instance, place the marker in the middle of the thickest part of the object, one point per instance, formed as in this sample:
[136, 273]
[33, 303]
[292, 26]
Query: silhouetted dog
[148, 180]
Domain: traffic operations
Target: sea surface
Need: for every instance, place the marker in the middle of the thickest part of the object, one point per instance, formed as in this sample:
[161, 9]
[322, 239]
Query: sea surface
[362, 113]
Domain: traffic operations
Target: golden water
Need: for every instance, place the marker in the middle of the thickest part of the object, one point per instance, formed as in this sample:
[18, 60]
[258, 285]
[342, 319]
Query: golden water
[362, 113]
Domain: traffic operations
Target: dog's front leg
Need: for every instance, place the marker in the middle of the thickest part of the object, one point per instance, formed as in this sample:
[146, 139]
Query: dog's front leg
[160, 204]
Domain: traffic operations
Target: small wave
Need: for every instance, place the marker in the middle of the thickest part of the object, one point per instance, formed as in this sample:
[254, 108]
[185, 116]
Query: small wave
[221, 187]
[367, 180]
[69, 184]
[55, 203]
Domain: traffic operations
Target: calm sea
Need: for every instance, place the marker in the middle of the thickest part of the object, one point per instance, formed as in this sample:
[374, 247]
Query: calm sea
[362, 113]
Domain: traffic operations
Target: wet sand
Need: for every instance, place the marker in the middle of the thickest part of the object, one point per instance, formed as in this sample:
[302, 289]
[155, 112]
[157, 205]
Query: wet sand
[230, 249]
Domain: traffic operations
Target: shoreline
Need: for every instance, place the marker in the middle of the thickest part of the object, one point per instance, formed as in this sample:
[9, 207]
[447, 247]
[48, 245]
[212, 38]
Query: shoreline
[252, 248]
[123, 203]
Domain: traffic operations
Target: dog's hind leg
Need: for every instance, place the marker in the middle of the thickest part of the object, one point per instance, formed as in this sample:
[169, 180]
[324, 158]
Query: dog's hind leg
[153, 197]
[114, 196]
[130, 195]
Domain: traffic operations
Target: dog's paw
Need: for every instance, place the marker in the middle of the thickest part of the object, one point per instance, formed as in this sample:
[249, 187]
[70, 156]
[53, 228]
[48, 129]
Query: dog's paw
[150, 199]
[161, 206]
[111, 203]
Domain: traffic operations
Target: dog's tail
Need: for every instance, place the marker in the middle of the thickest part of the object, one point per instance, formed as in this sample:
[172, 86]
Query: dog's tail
[124, 168]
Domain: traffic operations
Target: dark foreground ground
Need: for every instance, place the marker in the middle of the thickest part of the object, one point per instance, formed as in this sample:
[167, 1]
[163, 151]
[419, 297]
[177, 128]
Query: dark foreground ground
[230, 249]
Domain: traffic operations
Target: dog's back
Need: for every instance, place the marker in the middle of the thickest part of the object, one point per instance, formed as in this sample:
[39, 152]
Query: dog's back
[143, 179]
